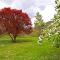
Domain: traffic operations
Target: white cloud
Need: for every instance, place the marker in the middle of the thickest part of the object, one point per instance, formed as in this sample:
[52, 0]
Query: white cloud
[32, 11]
[33, 20]
[2, 5]
[48, 13]
[8, 2]
[16, 4]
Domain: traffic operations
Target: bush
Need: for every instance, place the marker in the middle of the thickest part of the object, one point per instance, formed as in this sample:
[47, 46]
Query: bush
[56, 39]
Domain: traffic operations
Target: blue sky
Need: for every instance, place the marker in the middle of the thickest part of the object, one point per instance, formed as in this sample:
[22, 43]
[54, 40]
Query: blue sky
[45, 7]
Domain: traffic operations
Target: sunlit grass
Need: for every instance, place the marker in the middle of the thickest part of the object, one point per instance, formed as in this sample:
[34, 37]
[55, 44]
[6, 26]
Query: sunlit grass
[26, 48]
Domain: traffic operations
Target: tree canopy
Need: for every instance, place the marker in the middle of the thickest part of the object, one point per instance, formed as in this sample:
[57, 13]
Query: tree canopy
[14, 22]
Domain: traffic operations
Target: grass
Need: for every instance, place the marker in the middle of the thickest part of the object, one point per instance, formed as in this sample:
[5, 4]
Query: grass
[26, 48]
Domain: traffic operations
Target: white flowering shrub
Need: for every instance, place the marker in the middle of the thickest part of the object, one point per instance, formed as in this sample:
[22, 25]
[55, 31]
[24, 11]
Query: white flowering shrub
[52, 31]
[52, 34]
[40, 39]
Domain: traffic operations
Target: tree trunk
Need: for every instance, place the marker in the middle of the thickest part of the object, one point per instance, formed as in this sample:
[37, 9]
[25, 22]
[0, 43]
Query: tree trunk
[13, 37]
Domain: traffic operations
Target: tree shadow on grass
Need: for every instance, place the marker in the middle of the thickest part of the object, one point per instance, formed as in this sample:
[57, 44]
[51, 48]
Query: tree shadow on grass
[5, 42]
[22, 41]
[9, 42]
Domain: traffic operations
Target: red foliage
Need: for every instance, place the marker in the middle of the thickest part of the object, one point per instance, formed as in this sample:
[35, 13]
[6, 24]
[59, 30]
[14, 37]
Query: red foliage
[15, 21]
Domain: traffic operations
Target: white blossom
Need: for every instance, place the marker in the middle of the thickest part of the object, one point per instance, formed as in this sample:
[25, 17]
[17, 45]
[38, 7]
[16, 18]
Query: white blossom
[39, 40]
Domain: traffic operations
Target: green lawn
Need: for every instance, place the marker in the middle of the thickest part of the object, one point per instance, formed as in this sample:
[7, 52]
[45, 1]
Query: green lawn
[26, 48]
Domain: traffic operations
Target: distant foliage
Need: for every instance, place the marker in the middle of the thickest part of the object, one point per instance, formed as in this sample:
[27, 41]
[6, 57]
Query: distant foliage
[14, 22]
[39, 24]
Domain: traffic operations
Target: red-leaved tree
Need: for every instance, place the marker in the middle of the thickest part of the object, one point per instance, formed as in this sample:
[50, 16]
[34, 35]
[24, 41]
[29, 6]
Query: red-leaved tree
[14, 22]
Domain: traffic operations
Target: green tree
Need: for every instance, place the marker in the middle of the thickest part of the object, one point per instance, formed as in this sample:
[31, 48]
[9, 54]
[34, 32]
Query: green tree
[56, 19]
[39, 24]
[39, 21]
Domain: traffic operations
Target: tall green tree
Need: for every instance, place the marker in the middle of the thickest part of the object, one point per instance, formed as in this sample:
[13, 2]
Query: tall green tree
[56, 18]
[39, 21]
